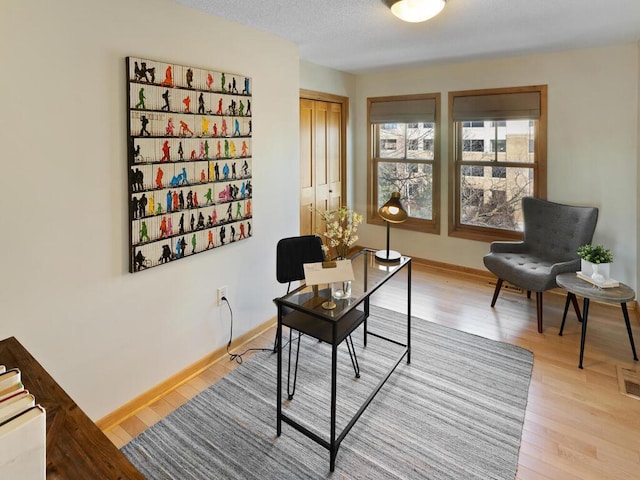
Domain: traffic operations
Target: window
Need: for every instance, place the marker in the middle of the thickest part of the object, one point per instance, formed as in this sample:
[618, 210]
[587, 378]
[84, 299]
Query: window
[388, 144]
[473, 171]
[499, 145]
[404, 156]
[498, 172]
[473, 145]
[488, 185]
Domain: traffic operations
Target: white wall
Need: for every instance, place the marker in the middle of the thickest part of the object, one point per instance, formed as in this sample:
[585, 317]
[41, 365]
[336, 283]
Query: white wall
[66, 294]
[592, 143]
[638, 178]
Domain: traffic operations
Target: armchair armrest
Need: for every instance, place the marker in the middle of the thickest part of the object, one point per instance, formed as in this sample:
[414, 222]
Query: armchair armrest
[507, 247]
[564, 267]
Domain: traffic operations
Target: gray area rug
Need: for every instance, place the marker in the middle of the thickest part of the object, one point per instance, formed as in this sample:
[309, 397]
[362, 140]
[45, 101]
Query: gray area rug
[455, 412]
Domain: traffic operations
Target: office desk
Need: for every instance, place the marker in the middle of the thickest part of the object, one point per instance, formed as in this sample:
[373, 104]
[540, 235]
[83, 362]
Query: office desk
[76, 447]
[302, 310]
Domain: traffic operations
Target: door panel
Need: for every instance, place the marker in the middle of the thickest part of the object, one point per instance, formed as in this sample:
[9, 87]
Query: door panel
[334, 155]
[321, 133]
[307, 190]
[322, 160]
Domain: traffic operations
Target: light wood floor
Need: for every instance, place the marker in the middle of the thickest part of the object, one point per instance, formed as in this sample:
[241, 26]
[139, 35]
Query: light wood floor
[577, 425]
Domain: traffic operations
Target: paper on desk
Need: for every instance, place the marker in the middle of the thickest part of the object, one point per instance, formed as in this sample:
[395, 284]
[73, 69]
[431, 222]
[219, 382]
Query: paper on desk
[314, 273]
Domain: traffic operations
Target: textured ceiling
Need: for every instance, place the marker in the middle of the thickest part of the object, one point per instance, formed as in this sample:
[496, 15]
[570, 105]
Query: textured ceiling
[363, 36]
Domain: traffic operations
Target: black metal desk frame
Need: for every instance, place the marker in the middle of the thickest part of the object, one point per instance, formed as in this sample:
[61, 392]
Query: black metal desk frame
[305, 314]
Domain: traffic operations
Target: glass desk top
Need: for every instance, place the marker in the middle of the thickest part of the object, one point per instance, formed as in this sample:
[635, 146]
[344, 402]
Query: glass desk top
[369, 275]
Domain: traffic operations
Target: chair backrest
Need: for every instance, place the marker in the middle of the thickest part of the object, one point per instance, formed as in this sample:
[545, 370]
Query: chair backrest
[556, 230]
[293, 252]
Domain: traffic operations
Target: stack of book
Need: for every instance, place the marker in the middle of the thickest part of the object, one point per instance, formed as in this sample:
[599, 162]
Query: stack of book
[23, 430]
[599, 282]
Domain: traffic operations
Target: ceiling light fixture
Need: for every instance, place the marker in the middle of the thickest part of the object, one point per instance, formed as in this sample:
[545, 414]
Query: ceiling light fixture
[415, 10]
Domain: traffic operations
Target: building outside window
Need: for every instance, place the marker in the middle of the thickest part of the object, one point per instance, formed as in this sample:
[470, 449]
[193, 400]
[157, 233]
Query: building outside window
[389, 143]
[473, 171]
[499, 172]
[497, 147]
[411, 125]
[473, 145]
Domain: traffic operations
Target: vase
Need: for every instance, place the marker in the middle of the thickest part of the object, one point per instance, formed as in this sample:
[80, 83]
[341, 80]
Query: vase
[595, 276]
[597, 271]
[342, 290]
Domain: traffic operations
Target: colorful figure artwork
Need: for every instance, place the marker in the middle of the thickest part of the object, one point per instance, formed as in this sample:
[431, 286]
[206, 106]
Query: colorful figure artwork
[190, 161]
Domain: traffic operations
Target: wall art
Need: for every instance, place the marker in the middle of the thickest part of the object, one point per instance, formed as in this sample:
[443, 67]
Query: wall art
[190, 160]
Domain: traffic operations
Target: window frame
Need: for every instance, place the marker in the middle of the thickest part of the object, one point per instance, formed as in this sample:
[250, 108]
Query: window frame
[413, 223]
[455, 164]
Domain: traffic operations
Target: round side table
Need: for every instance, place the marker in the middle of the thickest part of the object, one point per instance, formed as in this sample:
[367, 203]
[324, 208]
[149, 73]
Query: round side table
[576, 286]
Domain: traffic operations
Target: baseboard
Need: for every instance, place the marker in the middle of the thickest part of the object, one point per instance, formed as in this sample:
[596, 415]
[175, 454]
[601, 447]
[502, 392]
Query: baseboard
[449, 267]
[129, 409]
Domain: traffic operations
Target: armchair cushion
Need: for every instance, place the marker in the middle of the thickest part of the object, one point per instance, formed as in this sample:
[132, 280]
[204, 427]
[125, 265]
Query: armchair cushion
[528, 271]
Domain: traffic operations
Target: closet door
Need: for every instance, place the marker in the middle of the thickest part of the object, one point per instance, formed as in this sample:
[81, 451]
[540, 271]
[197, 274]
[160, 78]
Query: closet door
[321, 160]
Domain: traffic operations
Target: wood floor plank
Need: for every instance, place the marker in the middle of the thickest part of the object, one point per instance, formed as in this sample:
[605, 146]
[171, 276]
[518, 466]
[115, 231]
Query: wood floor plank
[149, 416]
[118, 436]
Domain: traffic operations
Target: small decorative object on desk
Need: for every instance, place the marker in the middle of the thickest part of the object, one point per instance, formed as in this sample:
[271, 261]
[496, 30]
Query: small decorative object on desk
[341, 226]
[339, 236]
[595, 265]
[342, 290]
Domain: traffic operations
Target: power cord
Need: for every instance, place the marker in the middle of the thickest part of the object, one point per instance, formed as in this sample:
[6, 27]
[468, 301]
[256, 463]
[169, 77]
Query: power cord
[237, 357]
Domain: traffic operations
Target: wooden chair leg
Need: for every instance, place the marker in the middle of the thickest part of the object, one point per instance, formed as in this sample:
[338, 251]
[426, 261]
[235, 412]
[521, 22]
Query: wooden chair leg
[496, 292]
[539, 310]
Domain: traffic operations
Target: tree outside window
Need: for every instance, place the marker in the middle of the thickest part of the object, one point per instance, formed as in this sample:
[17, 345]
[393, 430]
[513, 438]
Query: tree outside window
[388, 144]
[473, 145]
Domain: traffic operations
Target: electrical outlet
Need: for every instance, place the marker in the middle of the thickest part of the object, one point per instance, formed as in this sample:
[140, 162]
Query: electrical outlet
[222, 292]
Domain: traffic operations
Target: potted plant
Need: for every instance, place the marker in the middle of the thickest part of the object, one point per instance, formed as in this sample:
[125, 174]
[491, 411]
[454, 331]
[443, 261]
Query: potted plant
[595, 261]
[341, 226]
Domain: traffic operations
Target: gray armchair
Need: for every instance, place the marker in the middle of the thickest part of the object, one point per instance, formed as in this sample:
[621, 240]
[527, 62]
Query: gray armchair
[552, 234]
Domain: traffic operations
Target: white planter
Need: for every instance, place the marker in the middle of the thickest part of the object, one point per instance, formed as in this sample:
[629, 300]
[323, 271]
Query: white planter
[587, 268]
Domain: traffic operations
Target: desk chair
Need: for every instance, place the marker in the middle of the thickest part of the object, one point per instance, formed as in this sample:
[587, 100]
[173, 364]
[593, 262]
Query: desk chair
[291, 254]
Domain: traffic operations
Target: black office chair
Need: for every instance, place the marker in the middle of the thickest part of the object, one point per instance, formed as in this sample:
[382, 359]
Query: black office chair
[291, 254]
